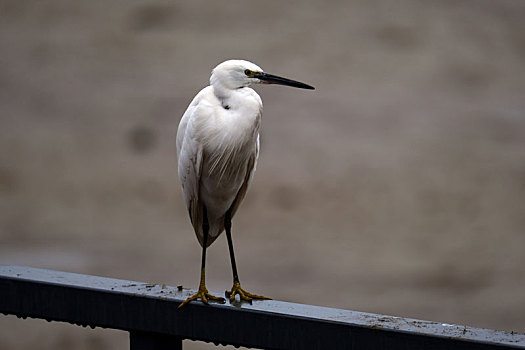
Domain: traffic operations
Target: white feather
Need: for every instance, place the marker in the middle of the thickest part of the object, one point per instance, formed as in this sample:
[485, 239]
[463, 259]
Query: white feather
[218, 146]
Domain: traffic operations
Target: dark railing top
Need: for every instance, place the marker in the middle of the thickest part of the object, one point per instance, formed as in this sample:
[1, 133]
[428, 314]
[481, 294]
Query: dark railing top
[149, 307]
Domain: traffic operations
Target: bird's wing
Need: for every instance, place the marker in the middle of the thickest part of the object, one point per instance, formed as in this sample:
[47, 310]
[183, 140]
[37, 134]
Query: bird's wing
[250, 172]
[190, 160]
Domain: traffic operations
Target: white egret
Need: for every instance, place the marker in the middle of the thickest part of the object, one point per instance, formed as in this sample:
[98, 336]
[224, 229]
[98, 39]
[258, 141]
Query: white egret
[217, 148]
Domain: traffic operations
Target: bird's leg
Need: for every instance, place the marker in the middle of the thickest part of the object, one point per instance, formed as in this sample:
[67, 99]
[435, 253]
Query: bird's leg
[203, 291]
[236, 288]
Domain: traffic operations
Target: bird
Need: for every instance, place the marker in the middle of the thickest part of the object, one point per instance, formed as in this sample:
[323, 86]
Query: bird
[217, 151]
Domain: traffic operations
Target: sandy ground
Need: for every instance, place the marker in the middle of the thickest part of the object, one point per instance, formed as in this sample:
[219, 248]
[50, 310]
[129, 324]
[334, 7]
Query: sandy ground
[397, 187]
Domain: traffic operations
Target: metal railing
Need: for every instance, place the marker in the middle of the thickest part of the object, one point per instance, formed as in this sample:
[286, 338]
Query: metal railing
[149, 313]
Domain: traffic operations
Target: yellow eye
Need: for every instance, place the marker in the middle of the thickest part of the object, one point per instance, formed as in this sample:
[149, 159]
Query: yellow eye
[248, 72]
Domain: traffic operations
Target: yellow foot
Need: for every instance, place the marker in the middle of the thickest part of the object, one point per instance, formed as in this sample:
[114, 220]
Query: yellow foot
[204, 295]
[244, 295]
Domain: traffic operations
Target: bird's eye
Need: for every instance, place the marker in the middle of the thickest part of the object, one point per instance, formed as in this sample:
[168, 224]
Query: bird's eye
[248, 72]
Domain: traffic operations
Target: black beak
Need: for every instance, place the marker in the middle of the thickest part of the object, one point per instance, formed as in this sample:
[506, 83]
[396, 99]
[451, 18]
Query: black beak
[266, 78]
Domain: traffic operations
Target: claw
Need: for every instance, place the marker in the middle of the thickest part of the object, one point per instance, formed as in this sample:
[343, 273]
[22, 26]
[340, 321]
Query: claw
[244, 295]
[204, 296]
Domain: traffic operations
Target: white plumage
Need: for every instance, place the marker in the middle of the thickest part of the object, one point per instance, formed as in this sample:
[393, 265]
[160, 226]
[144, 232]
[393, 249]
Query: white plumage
[218, 146]
[217, 149]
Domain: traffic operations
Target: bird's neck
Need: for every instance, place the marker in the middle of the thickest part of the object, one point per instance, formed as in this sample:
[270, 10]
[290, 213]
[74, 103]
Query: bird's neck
[242, 100]
[222, 92]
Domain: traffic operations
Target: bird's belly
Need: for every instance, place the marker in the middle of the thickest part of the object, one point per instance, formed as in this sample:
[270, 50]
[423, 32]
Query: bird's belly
[218, 191]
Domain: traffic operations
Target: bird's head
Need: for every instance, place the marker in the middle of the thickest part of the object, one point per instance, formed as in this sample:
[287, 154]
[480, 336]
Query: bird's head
[235, 74]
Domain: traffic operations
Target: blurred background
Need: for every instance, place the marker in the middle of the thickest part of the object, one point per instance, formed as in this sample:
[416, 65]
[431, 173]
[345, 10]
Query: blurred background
[396, 187]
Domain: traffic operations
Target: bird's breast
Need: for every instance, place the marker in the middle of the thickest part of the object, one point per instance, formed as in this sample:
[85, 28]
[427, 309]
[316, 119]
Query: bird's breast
[227, 154]
[229, 135]
[229, 141]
